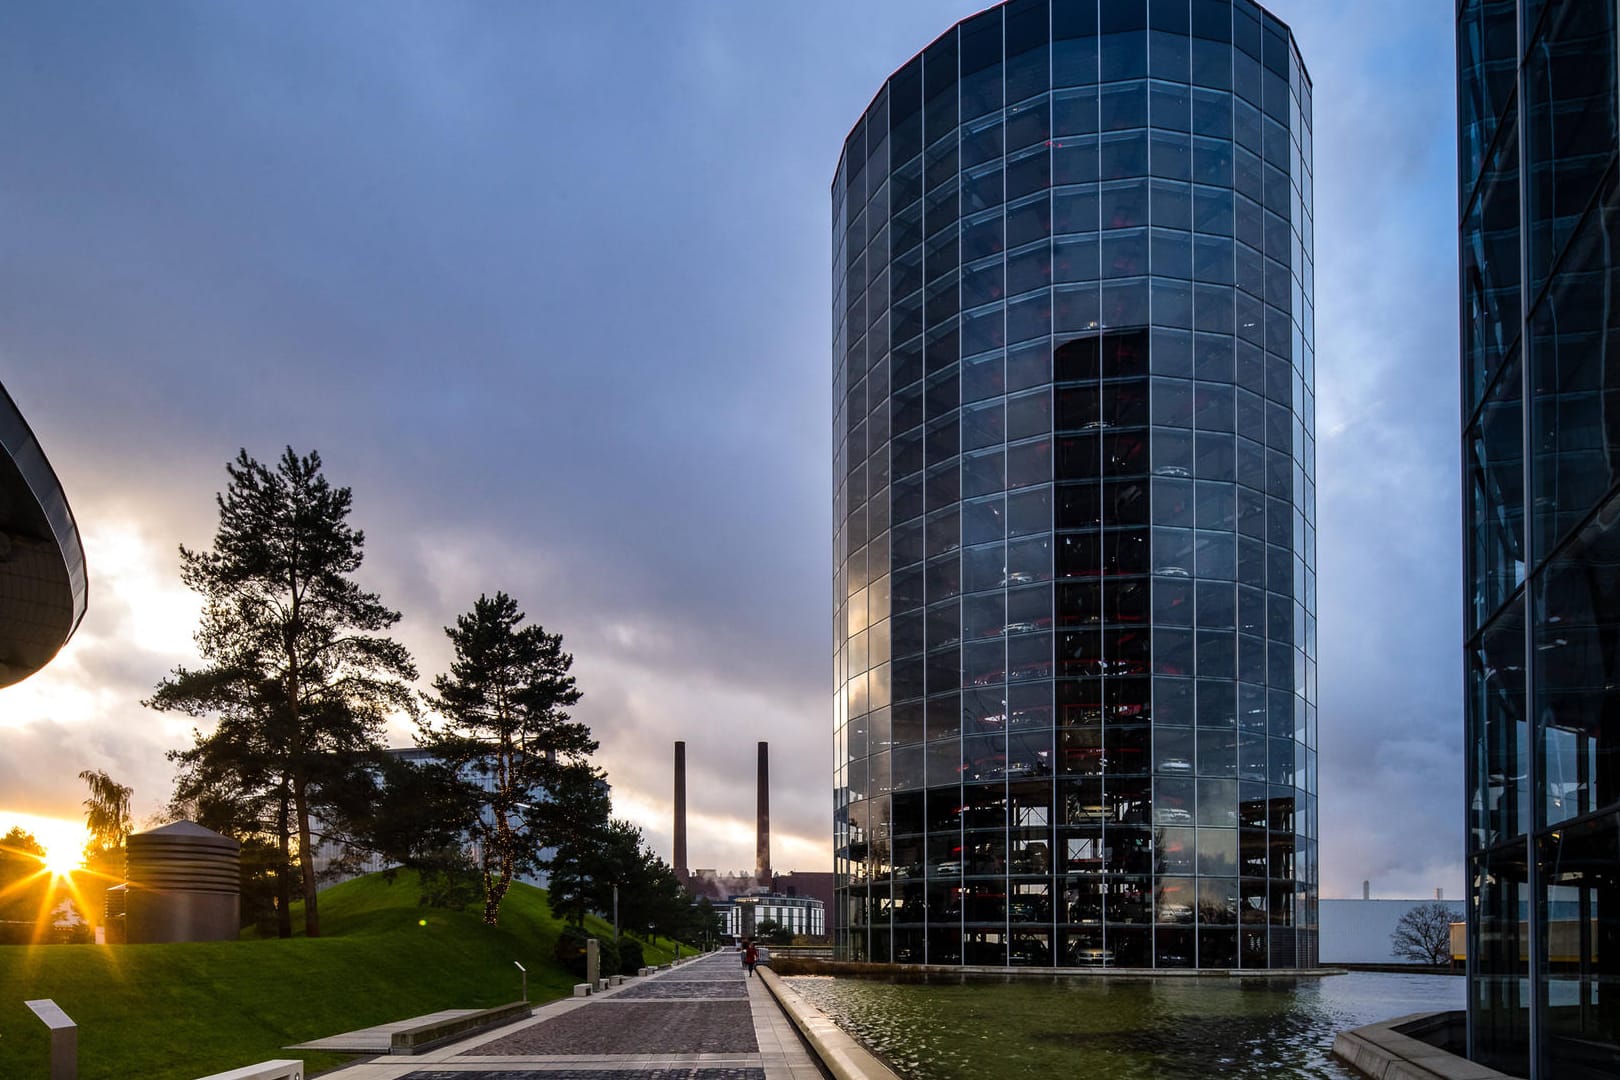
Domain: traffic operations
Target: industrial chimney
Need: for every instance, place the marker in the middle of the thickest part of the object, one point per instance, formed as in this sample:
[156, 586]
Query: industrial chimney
[762, 844]
[680, 810]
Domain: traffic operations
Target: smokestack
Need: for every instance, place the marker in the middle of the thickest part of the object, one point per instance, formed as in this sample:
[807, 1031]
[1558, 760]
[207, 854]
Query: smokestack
[1366, 890]
[680, 810]
[1439, 894]
[762, 844]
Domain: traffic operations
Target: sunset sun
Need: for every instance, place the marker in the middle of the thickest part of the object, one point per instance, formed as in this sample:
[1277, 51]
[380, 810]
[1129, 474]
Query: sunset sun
[62, 839]
[63, 858]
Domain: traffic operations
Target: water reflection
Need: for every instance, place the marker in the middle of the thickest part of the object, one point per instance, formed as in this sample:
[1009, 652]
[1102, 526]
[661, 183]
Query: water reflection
[1120, 1028]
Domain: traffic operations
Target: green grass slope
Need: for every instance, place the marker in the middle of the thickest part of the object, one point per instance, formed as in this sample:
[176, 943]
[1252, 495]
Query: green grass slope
[176, 1012]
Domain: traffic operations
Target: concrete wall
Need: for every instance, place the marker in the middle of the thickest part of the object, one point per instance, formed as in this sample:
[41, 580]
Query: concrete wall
[1357, 931]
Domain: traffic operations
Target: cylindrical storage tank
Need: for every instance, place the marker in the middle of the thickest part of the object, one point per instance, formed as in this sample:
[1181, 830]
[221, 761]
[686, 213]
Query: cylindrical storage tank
[114, 920]
[183, 884]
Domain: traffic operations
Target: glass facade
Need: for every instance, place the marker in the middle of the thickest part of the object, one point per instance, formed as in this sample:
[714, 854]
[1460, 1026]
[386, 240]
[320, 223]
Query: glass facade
[43, 586]
[1075, 511]
[1539, 225]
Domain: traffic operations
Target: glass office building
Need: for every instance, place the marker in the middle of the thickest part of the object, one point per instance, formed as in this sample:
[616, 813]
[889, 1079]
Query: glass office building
[1539, 229]
[1074, 519]
[42, 579]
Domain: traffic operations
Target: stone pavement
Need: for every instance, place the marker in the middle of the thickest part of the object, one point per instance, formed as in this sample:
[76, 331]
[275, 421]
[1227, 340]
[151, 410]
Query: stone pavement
[702, 1020]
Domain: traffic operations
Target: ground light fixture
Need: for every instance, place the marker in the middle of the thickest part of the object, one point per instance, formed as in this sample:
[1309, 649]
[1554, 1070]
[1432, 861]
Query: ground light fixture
[525, 972]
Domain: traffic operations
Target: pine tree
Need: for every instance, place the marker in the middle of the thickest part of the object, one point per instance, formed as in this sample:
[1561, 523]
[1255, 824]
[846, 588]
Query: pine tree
[300, 675]
[505, 705]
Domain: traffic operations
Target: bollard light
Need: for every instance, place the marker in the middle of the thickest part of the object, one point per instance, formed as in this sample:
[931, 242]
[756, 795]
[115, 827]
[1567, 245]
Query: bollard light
[525, 971]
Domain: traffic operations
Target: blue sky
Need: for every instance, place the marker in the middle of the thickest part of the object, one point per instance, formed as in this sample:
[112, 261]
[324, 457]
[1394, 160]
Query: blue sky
[548, 287]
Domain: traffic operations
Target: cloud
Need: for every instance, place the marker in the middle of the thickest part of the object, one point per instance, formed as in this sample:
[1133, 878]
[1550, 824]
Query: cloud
[1389, 560]
[550, 291]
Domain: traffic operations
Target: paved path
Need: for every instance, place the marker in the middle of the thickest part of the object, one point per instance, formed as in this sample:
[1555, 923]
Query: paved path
[702, 1020]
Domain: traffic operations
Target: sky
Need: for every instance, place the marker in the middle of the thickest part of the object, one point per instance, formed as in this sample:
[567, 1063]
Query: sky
[549, 287]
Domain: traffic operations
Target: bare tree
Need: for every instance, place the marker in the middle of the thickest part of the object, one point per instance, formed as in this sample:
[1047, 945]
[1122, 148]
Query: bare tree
[1423, 934]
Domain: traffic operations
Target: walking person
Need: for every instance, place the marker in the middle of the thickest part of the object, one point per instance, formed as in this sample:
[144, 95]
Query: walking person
[750, 955]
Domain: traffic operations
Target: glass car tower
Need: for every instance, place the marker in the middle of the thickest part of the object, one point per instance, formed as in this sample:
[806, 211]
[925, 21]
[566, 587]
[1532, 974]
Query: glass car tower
[1075, 506]
[1539, 209]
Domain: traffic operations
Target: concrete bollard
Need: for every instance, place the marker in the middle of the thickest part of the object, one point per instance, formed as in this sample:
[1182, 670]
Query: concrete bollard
[64, 1038]
[643, 972]
[615, 980]
[601, 984]
[582, 989]
[279, 1069]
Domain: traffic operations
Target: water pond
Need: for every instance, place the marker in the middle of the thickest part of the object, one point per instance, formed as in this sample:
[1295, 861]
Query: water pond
[1107, 1028]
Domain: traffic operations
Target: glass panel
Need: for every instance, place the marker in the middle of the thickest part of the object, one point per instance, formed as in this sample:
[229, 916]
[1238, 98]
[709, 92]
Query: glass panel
[1496, 496]
[1569, 81]
[1490, 270]
[1575, 332]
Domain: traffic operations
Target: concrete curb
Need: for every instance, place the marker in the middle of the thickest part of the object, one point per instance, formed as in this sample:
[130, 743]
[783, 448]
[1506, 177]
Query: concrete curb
[792, 965]
[1384, 1052]
[429, 1036]
[842, 1056]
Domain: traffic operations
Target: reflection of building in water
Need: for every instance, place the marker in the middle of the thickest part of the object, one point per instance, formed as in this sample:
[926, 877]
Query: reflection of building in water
[1074, 509]
[43, 588]
[1540, 220]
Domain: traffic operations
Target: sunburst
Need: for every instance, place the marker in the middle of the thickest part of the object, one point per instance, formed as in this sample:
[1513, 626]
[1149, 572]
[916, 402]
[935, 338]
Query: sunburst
[63, 860]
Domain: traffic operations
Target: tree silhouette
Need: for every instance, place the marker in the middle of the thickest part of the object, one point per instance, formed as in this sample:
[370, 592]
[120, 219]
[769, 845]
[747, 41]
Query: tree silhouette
[1423, 934]
[505, 703]
[106, 811]
[299, 676]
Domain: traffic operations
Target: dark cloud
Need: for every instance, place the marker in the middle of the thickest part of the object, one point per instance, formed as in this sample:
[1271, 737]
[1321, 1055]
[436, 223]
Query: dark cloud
[549, 288]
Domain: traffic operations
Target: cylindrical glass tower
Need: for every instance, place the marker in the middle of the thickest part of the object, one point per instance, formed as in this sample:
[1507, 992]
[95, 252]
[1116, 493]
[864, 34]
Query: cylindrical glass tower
[1074, 547]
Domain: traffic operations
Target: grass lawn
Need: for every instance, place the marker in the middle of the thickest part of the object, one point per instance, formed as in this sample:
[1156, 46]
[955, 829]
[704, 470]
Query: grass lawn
[177, 1012]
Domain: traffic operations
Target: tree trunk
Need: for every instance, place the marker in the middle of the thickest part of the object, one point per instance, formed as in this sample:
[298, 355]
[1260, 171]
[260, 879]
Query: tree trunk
[284, 869]
[497, 882]
[495, 888]
[306, 859]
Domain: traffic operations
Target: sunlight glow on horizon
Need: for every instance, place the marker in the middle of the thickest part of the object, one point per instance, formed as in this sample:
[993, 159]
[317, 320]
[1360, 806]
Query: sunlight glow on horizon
[63, 839]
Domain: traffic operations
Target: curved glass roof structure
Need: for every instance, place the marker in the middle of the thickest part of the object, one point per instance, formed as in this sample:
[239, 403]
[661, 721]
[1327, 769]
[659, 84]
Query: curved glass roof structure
[43, 587]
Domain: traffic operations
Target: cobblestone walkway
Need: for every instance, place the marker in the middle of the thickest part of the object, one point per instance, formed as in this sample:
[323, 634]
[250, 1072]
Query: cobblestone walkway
[703, 1020]
[638, 1027]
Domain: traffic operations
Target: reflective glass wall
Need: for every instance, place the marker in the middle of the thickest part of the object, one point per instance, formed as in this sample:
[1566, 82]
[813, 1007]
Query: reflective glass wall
[1540, 229]
[1075, 590]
